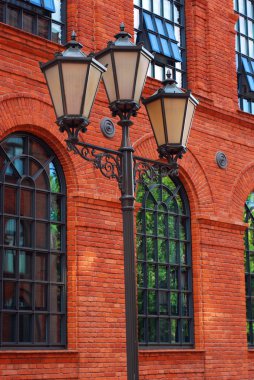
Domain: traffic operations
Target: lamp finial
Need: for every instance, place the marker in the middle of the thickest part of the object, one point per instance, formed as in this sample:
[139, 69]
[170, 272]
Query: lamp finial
[73, 35]
[122, 26]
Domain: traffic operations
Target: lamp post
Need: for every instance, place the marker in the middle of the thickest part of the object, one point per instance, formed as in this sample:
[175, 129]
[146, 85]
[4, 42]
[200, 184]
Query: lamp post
[123, 66]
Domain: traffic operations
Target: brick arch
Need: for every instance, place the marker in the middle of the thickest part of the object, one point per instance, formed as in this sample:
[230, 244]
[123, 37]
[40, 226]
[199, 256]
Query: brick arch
[36, 116]
[191, 174]
[243, 186]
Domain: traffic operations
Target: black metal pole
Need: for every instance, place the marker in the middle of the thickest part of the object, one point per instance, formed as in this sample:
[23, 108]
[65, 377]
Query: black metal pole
[127, 200]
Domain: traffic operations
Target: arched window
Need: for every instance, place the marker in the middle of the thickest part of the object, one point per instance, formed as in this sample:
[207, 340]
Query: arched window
[249, 266]
[165, 305]
[32, 244]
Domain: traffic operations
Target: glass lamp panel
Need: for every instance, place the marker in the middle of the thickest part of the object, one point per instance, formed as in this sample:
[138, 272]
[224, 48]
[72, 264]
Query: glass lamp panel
[53, 79]
[108, 77]
[154, 111]
[74, 75]
[188, 121]
[126, 63]
[94, 77]
[174, 113]
[141, 76]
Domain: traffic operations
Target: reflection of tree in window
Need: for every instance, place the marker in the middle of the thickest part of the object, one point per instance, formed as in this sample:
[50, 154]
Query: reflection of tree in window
[164, 264]
[32, 256]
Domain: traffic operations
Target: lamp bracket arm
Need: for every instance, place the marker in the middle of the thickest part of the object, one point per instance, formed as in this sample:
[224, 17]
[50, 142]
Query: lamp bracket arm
[108, 161]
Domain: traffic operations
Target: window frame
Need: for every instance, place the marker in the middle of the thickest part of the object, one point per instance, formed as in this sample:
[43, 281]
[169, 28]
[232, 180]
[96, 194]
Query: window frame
[49, 252]
[177, 266]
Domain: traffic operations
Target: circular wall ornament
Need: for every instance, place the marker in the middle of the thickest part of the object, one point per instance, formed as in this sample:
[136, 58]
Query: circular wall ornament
[221, 160]
[107, 128]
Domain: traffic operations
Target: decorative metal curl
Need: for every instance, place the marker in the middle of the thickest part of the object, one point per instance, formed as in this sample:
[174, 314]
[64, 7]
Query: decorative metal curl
[149, 171]
[108, 161]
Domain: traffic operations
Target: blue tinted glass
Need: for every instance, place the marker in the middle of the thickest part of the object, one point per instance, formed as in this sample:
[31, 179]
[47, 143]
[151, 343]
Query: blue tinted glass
[246, 65]
[36, 2]
[49, 4]
[148, 22]
[170, 30]
[159, 25]
[154, 43]
[252, 65]
[165, 47]
[176, 52]
[250, 80]
[245, 105]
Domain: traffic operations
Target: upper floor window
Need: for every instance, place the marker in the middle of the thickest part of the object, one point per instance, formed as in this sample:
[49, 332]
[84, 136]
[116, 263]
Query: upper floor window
[245, 53]
[32, 245]
[165, 305]
[249, 266]
[160, 25]
[45, 18]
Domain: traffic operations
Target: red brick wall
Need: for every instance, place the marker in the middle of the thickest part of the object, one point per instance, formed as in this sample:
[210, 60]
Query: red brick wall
[96, 317]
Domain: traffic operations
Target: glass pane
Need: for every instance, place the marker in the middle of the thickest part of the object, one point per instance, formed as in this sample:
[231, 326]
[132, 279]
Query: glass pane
[150, 251]
[157, 7]
[55, 237]
[25, 331]
[27, 22]
[55, 329]
[10, 231]
[56, 33]
[25, 265]
[55, 298]
[141, 297]
[9, 200]
[43, 28]
[172, 226]
[140, 275]
[14, 146]
[162, 251]
[54, 180]
[147, 4]
[186, 331]
[37, 151]
[150, 223]
[9, 295]
[42, 182]
[173, 278]
[159, 25]
[41, 206]
[41, 235]
[185, 305]
[9, 263]
[25, 232]
[26, 199]
[183, 253]
[41, 266]
[55, 207]
[152, 334]
[25, 296]
[170, 30]
[174, 304]
[251, 262]
[13, 15]
[177, 14]
[151, 276]
[55, 268]
[154, 43]
[40, 297]
[163, 303]
[139, 248]
[152, 301]
[9, 331]
[165, 47]
[167, 9]
[141, 330]
[149, 22]
[34, 167]
[163, 277]
[57, 14]
[19, 164]
[162, 220]
[184, 279]
[174, 331]
[164, 330]
[40, 327]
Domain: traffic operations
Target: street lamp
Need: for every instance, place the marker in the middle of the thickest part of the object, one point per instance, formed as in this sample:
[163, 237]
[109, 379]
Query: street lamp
[125, 67]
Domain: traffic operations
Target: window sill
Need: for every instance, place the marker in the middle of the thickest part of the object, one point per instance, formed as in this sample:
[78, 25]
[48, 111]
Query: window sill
[37, 352]
[181, 350]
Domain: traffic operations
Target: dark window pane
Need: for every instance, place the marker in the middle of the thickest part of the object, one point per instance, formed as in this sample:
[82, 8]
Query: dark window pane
[41, 205]
[26, 202]
[25, 331]
[151, 276]
[37, 151]
[43, 28]
[55, 237]
[163, 303]
[175, 331]
[13, 17]
[41, 266]
[9, 200]
[164, 330]
[9, 331]
[186, 331]
[25, 265]
[34, 167]
[174, 303]
[163, 277]
[40, 325]
[41, 235]
[152, 302]
[141, 295]
[1, 12]
[56, 33]
[162, 251]
[141, 329]
[40, 297]
[42, 182]
[25, 232]
[10, 232]
[55, 207]
[152, 333]
[9, 263]
[55, 328]
[28, 22]
[9, 293]
[56, 298]
[150, 251]
[25, 296]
